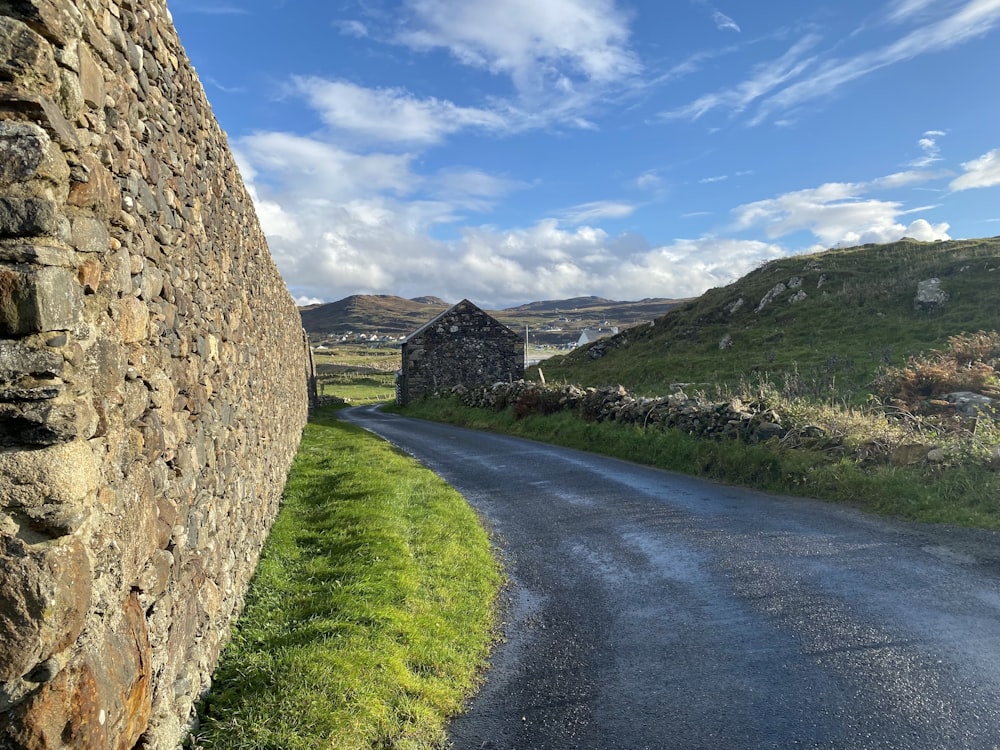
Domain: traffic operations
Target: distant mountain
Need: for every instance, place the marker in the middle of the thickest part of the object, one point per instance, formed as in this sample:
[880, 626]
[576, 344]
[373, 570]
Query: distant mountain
[370, 313]
[559, 305]
[554, 322]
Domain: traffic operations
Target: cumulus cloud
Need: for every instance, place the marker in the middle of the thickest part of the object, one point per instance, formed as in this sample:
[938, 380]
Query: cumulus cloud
[979, 173]
[837, 214]
[334, 232]
[550, 46]
[391, 115]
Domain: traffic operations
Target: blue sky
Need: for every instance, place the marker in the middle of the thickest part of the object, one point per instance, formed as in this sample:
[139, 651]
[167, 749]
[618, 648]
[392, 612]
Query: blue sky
[515, 150]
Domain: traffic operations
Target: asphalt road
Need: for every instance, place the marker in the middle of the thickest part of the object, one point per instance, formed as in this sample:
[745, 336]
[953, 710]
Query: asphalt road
[653, 610]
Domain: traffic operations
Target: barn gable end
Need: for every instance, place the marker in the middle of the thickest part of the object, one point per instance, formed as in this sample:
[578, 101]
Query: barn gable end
[461, 346]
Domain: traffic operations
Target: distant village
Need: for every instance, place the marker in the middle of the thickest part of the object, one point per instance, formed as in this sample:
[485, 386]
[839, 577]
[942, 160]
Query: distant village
[378, 340]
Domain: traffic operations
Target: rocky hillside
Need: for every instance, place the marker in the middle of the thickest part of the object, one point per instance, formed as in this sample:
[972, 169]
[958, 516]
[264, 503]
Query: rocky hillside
[827, 322]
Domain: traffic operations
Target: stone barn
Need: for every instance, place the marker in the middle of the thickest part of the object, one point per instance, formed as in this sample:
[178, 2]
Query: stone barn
[461, 346]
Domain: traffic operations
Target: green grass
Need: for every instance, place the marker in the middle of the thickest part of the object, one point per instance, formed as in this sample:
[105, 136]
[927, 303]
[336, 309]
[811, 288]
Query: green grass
[357, 389]
[370, 616]
[966, 495]
[835, 341]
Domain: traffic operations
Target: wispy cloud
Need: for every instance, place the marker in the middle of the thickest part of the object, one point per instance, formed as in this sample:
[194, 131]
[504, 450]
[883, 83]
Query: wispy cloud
[649, 180]
[597, 210]
[979, 173]
[928, 144]
[225, 89]
[975, 19]
[353, 28]
[724, 22]
[767, 77]
[902, 10]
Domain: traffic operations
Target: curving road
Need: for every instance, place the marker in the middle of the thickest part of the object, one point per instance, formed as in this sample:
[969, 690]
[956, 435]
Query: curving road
[654, 610]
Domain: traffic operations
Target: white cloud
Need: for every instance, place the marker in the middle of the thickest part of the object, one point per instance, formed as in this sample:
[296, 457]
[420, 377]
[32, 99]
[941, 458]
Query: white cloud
[352, 28]
[724, 22]
[902, 10]
[767, 77]
[596, 210]
[979, 173]
[542, 46]
[975, 19]
[472, 188]
[838, 214]
[391, 115]
[649, 180]
[931, 150]
[304, 168]
[710, 180]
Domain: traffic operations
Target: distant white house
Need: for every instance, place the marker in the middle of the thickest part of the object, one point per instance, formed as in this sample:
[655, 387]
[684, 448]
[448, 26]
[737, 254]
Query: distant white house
[590, 335]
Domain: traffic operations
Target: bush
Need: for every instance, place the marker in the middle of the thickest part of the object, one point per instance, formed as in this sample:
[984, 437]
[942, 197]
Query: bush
[971, 362]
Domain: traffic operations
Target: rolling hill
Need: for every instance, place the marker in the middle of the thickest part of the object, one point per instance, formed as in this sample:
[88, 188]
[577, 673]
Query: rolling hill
[823, 324]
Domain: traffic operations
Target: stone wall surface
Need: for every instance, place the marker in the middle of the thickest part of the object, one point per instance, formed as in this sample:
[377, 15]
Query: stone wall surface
[461, 346]
[152, 378]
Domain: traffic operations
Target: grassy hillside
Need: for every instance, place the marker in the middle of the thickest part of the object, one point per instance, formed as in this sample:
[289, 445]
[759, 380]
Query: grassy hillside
[858, 315]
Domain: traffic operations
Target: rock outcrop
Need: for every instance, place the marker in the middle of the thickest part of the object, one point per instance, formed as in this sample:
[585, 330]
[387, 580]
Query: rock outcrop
[152, 378]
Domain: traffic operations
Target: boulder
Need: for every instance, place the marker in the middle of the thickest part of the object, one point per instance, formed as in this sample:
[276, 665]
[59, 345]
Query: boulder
[969, 404]
[930, 295]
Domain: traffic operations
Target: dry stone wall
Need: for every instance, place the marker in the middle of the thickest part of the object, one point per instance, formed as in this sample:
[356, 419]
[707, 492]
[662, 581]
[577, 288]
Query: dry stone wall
[152, 378]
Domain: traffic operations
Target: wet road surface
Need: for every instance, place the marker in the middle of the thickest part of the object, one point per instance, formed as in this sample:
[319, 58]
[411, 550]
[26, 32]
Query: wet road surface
[654, 610]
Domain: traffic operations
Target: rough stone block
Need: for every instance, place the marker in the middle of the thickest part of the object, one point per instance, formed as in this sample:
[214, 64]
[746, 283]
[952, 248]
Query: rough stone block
[26, 59]
[102, 700]
[49, 299]
[44, 598]
[91, 79]
[28, 217]
[23, 147]
[58, 21]
[100, 192]
[133, 320]
[90, 235]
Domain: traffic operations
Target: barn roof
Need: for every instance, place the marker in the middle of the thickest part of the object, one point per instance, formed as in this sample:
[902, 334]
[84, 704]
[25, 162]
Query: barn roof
[438, 317]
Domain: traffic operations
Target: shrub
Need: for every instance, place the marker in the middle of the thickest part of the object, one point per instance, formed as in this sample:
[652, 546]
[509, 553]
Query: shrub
[971, 362]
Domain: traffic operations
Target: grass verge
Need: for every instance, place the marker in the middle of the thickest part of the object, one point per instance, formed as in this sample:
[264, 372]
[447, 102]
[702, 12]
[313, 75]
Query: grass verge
[962, 495]
[369, 619]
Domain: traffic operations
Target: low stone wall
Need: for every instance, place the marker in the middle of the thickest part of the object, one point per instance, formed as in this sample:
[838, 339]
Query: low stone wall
[732, 419]
[153, 378]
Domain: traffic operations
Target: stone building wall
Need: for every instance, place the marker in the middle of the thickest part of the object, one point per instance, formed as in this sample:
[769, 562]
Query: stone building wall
[152, 378]
[461, 346]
